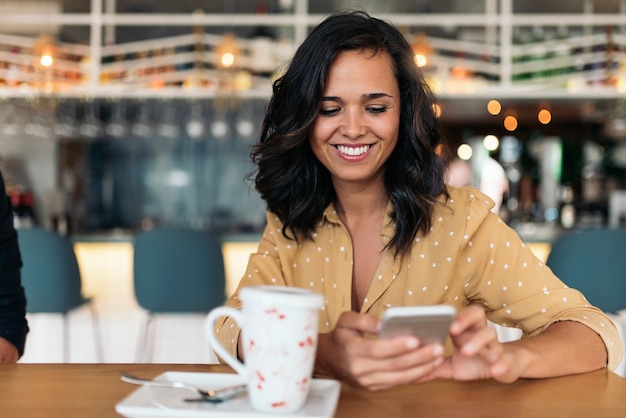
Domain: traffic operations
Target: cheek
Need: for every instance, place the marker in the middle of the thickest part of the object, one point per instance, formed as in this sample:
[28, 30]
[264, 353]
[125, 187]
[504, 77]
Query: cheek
[319, 136]
[388, 130]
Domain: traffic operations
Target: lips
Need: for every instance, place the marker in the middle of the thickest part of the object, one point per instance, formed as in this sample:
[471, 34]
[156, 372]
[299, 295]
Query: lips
[354, 151]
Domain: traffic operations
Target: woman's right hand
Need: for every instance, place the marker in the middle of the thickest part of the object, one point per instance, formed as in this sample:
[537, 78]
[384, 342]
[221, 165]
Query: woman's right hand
[371, 363]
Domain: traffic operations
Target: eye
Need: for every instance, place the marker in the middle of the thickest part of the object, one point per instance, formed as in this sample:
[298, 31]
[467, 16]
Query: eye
[377, 109]
[329, 111]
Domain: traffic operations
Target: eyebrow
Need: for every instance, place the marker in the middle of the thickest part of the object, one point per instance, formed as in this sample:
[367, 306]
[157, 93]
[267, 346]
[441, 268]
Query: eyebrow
[367, 96]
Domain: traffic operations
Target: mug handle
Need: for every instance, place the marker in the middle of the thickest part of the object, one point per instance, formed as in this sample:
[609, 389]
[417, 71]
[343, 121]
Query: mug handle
[209, 328]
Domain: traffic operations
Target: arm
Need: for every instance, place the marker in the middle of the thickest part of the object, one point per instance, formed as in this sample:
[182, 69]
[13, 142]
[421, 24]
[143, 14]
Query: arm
[13, 325]
[563, 348]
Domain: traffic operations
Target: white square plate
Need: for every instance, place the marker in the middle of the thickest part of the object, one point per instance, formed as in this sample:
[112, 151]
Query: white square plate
[152, 402]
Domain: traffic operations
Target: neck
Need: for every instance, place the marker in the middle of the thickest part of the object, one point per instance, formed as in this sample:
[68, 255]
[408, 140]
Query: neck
[361, 204]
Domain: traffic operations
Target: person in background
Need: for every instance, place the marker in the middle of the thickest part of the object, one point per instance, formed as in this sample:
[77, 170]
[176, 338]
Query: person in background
[493, 180]
[358, 211]
[13, 324]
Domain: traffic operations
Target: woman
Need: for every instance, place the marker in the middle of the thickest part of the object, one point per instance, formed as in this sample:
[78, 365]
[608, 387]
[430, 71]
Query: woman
[358, 211]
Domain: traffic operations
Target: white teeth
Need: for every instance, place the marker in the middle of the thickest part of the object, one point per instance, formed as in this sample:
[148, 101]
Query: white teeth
[353, 151]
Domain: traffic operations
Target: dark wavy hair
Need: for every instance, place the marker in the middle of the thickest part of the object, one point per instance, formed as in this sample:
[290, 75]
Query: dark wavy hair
[288, 176]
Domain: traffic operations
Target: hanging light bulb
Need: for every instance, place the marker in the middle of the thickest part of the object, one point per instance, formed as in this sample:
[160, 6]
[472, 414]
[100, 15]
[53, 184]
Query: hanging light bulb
[46, 60]
[45, 50]
[421, 50]
[45, 54]
[227, 51]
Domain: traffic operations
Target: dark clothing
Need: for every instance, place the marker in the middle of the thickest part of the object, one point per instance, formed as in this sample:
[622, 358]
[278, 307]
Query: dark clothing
[13, 325]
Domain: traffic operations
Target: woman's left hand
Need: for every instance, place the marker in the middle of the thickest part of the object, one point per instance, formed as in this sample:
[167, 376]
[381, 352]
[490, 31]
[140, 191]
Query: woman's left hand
[477, 352]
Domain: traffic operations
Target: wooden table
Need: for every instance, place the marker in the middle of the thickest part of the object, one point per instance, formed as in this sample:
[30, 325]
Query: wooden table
[92, 390]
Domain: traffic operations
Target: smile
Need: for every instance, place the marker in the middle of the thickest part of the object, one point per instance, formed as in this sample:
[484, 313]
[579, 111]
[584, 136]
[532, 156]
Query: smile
[353, 151]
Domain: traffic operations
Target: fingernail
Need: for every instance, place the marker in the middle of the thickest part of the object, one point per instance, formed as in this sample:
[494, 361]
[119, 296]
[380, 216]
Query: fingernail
[412, 343]
[438, 350]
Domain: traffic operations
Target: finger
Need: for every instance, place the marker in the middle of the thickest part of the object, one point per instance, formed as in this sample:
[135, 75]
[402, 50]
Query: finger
[361, 323]
[467, 318]
[387, 348]
[482, 340]
[406, 368]
[390, 356]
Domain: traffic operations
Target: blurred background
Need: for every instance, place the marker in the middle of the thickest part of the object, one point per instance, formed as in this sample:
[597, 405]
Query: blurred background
[124, 114]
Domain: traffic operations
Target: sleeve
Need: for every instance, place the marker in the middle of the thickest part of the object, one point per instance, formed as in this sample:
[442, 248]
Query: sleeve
[13, 324]
[264, 268]
[518, 290]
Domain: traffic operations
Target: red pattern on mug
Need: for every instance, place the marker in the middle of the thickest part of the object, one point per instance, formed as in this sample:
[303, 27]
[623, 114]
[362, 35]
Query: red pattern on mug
[308, 342]
[276, 312]
[303, 384]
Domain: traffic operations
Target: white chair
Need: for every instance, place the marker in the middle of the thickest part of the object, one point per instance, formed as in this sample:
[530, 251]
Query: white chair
[506, 334]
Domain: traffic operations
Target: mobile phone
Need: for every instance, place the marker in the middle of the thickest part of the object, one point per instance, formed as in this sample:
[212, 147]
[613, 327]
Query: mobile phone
[428, 323]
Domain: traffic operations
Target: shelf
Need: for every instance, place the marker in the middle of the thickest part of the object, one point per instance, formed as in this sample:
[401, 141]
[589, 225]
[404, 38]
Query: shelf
[184, 66]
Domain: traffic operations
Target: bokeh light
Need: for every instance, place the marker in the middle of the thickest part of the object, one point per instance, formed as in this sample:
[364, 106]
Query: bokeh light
[464, 151]
[491, 142]
[544, 116]
[494, 107]
[421, 60]
[510, 123]
[46, 60]
[228, 59]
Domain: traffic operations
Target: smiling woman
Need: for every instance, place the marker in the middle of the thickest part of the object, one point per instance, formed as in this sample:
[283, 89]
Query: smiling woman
[358, 211]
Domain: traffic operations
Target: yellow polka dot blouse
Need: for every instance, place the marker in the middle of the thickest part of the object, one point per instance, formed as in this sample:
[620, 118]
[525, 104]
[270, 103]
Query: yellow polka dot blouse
[469, 256]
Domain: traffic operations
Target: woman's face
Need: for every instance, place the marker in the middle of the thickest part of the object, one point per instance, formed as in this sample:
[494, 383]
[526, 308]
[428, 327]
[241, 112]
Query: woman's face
[357, 125]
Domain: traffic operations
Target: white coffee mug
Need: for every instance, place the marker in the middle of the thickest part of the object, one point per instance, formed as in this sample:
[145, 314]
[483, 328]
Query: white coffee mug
[279, 339]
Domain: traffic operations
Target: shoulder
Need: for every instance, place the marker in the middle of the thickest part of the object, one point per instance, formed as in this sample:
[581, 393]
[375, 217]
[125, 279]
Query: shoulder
[465, 211]
[464, 202]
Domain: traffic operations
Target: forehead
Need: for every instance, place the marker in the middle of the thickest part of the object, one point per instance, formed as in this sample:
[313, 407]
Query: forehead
[361, 67]
[372, 56]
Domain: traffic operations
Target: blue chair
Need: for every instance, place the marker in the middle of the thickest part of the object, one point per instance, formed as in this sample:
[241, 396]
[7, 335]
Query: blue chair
[594, 262]
[52, 280]
[176, 270]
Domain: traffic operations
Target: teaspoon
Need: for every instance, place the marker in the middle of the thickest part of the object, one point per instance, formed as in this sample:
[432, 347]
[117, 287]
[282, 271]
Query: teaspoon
[217, 395]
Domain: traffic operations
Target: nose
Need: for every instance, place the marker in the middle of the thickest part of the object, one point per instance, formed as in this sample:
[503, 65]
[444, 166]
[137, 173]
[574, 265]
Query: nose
[352, 125]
